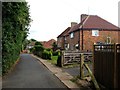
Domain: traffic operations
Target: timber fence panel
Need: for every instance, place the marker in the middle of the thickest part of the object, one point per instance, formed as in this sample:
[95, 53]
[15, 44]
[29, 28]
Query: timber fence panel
[107, 64]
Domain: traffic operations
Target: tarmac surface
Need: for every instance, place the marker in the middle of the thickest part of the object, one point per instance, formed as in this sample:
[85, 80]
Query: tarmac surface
[31, 73]
[75, 71]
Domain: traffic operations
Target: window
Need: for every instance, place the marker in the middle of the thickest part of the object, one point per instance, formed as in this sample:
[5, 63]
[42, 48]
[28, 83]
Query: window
[95, 32]
[108, 40]
[72, 35]
[66, 46]
[65, 38]
[77, 46]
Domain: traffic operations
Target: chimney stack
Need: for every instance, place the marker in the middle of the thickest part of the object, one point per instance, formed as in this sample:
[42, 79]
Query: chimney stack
[73, 24]
[83, 17]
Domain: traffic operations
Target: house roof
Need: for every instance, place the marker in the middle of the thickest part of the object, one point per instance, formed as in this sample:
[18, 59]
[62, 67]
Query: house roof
[64, 33]
[94, 22]
[48, 44]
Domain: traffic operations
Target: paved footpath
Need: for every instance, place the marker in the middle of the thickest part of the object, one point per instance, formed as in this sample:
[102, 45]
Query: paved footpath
[31, 73]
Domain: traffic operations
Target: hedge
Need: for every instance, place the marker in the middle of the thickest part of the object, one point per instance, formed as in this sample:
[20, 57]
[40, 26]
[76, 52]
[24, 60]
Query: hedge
[15, 23]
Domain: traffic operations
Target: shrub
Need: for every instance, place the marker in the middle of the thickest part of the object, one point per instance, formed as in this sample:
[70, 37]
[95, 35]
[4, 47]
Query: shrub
[47, 54]
[32, 49]
[56, 53]
[38, 50]
[38, 43]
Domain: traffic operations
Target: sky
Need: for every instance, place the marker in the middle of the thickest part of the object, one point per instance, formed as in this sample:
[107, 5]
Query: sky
[52, 17]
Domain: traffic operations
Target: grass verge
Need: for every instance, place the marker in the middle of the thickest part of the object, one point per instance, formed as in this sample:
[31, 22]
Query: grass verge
[54, 60]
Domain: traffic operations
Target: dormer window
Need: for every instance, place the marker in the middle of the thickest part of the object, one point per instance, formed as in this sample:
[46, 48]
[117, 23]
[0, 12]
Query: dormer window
[72, 35]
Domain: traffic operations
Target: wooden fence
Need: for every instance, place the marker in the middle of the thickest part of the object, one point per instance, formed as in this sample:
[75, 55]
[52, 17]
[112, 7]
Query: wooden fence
[107, 65]
[70, 57]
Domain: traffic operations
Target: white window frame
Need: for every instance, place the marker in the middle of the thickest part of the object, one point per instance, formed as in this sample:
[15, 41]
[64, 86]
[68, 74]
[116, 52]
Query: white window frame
[95, 33]
[72, 35]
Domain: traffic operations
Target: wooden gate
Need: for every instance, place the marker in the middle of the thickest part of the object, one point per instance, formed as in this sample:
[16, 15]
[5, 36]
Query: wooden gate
[70, 57]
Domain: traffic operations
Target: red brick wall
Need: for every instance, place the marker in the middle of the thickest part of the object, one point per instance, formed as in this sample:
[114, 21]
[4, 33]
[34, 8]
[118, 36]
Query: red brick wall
[60, 42]
[88, 39]
[67, 39]
[73, 41]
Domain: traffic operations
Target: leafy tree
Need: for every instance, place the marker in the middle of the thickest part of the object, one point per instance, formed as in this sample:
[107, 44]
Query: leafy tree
[33, 40]
[38, 50]
[15, 27]
[38, 43]
[25, 43]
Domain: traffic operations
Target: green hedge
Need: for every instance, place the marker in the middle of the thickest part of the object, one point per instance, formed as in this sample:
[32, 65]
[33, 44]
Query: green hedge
[56, 53]
[38, 50]
[47, 54]
[15, 23]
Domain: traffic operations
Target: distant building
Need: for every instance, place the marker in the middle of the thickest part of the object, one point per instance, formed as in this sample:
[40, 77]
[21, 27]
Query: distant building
[48, 44]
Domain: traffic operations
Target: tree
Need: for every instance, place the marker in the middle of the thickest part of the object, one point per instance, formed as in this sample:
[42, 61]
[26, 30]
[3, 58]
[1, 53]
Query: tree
[15, 27]
[33, 40]
[26, 43]
[38, 43]
[54, 46]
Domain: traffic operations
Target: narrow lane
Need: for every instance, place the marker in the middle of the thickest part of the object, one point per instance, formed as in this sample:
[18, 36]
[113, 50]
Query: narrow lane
[30, 73]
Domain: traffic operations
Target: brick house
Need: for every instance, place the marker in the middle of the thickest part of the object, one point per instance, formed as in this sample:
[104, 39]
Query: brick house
[91, 29]
[48, 44]
[64, 36]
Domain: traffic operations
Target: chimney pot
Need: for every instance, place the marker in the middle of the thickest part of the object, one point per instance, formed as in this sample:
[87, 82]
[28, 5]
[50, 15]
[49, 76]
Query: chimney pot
[83, 16]
[73, 24]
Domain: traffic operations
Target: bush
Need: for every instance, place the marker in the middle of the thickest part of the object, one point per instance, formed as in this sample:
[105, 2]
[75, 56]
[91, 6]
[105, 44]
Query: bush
[32, 49]
[38, 50]
[47, 54]
[38, 43]
[56, 53]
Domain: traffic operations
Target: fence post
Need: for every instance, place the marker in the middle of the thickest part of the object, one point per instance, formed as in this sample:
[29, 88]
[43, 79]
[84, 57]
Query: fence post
[93, 58]
[81, 65]
[115, 64]
[62, 59]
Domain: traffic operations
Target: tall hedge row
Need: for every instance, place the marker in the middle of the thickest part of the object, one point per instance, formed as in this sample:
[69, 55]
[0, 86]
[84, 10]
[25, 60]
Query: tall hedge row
[15, 26]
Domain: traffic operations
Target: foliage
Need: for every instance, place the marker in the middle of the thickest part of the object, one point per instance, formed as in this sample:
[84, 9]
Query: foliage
[56, 53]
[25, 43]
[32, 50]
[33, 40]
[54, 46]
[38, 43]
[38, 50]
[47, 54]
[15, 27]
[54, 60]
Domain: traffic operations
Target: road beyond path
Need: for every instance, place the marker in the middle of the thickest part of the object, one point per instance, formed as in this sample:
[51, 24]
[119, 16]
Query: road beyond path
[30, 73]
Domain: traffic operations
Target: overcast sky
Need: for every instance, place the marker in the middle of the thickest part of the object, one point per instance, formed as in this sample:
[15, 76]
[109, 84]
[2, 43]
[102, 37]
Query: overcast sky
[51, 17]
